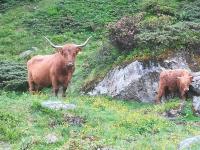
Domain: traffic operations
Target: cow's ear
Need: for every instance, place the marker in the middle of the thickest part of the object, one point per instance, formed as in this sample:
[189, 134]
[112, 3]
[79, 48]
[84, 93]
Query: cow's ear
[78, 49]
[60, 50]
[191, 77]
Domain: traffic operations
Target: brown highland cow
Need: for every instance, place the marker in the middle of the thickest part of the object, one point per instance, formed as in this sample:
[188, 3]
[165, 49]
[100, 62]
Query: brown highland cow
[174, 80]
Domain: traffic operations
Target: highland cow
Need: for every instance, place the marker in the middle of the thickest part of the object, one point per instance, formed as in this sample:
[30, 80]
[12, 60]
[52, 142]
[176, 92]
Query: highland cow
[174, 80]
[53, 70]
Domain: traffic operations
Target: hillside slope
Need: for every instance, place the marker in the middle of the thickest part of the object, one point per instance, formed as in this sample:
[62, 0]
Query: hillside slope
[160, 27]
[163, 26]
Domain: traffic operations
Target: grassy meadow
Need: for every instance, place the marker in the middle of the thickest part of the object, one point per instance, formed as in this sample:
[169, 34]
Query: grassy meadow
[98, 122]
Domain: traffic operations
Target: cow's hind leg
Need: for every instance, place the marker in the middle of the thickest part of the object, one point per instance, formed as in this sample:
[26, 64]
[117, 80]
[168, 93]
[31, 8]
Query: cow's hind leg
[31, 83]
[161, 92]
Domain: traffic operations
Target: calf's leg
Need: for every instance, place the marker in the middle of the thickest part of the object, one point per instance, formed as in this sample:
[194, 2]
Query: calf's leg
[161, 92]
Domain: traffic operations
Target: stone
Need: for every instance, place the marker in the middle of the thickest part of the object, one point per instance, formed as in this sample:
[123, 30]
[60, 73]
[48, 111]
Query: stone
[57, 105]
[34, 48]
[196, 105]
[51, 138]
[28, 53]
[185, 144]
[25, 54]
[5, 146]
[137, 80]
[195, 86]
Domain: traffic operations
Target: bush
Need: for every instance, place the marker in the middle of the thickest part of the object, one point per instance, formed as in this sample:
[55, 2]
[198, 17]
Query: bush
[122, 33]
[6, 4]
[190, 11]
[182, 34]
[13, 76]
[155, 23]
[158, 7]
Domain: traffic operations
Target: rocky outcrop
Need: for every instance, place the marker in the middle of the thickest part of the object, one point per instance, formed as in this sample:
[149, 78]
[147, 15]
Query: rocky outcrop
[187, 143]
[139, 79]
[196, 105]
[5, 146]
[28, 53]
[195, 86]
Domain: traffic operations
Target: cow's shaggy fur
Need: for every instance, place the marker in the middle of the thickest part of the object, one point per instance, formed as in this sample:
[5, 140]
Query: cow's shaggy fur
[174, 80]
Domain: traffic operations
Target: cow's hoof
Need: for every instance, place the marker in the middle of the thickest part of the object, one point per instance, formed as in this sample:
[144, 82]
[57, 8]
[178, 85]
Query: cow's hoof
[63, 95]
[157, 103]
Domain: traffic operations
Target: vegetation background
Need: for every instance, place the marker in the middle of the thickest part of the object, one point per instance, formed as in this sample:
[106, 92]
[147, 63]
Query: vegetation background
[123, 31]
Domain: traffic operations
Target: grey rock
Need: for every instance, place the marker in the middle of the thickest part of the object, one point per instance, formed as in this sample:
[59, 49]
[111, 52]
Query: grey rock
[196, 104]
[51, 138]
[25, 54]
[57, 105]
[195, 86]
[188, 142]
[28, 53]
[34, 48]
[5, 146]
[137, 80]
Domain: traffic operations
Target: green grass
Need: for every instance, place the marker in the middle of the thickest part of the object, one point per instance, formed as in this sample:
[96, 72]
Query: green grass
[106, 123]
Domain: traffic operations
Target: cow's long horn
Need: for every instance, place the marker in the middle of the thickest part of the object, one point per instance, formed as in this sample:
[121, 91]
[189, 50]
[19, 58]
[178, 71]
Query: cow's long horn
[82, 45]
[54, 46]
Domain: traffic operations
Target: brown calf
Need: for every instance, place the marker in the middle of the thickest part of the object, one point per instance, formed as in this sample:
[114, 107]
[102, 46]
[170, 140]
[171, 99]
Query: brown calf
[173, 80]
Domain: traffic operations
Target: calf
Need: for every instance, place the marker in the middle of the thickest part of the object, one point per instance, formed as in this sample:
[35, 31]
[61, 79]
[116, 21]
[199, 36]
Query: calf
[173, 80]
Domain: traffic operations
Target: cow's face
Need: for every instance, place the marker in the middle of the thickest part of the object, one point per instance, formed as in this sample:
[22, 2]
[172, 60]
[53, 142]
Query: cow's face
[185, 82]
[69, 52]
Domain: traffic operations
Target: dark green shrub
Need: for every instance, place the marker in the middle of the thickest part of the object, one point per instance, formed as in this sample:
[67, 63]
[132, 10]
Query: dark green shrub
[155, 23]
[190, 11]
[122, 33]
[77, 16]
[6, 4]
[182, 34]
[50, 21]
[13, 76]
[158, 7]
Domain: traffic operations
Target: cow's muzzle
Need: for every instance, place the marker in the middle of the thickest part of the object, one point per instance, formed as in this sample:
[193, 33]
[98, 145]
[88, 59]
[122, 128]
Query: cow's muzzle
[71, 64]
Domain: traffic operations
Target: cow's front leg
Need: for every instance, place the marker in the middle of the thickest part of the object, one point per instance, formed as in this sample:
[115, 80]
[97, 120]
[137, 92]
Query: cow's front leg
[64, 91]
[66, 82]
[55, 86]
[182, 105]
[65, 85]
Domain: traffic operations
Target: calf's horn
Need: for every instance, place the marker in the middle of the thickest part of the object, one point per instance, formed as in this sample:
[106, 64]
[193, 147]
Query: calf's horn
[82, 45]
[54, 46]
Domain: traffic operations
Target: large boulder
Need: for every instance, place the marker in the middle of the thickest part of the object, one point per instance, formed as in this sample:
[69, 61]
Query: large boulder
[139, 79]
[195, 86]
[196, 105]
[187, 143]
